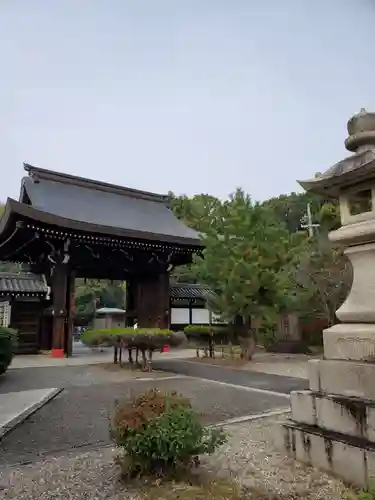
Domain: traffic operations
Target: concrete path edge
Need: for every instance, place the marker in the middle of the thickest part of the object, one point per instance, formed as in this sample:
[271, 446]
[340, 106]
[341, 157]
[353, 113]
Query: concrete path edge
[27, 412]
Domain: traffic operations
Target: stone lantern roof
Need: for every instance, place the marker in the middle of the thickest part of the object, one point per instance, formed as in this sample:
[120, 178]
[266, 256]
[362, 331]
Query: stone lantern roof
[353, 169]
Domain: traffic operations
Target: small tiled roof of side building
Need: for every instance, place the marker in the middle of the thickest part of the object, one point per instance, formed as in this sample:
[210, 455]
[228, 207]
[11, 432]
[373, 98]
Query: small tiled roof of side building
[22, 284]
[189, 291]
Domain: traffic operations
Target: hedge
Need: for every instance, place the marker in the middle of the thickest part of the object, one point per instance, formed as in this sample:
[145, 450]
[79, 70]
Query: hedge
[141, 338]
[8, 338]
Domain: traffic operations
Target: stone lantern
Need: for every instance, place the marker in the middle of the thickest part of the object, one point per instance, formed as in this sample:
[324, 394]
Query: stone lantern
[332, 426]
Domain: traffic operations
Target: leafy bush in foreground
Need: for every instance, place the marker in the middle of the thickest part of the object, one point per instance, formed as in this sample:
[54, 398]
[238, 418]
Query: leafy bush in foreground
[7, 344]
[160, 433]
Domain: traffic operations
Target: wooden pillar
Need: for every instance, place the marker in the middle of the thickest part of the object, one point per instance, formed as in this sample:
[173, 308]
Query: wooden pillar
[190, 312]
[69, 323]
[59, 309]
[130, 307]
[45, 329]
[152, 301]
[166, 301]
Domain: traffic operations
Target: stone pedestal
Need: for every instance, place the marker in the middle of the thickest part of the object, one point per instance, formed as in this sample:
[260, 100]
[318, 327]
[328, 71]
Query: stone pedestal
[332, 426]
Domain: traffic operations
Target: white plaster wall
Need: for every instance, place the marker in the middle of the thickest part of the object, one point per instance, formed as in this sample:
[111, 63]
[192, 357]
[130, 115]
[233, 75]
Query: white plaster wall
[200, 316]
[179, 316]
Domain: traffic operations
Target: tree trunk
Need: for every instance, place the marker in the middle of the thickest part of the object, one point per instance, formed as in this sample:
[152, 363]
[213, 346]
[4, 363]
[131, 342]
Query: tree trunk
[332, 318]
[130, 356]
[120, 354]
[247, 348]
[247, 341]
[211, 345]
[149, 366]
[144, 359]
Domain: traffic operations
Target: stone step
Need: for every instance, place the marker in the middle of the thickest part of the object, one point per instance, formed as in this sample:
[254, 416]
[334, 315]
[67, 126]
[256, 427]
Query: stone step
[350, 458]
[346, 415]
[343, 378]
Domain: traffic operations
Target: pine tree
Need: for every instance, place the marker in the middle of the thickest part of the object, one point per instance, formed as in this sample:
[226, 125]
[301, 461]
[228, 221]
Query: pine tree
[243, 261]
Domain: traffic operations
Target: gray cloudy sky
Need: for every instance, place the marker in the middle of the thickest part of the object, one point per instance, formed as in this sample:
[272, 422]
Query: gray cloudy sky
[183, 95]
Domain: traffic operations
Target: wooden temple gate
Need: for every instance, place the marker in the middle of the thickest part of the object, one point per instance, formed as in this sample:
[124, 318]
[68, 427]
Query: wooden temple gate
[66, 227]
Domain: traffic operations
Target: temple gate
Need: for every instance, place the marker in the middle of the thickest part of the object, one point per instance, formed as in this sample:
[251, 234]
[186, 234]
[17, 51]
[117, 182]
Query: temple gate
[69, 227]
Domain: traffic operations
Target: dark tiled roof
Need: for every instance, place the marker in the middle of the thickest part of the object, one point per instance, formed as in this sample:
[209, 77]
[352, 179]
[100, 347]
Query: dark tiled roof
[101, 204]
[23, 284]
[187, 291]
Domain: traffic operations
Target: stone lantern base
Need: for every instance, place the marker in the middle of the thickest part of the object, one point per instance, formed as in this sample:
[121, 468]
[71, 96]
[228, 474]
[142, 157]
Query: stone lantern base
[332, 426]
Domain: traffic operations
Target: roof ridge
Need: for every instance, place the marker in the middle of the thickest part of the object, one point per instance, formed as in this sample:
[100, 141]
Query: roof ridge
[52, 175]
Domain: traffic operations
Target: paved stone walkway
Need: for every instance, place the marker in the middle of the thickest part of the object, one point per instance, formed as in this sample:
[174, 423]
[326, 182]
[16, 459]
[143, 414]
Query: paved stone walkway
[234, 376]
[83, 356]
[15, 407]
[78, 417]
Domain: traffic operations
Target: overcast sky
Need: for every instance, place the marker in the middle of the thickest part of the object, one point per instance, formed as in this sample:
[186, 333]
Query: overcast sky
[183, 95]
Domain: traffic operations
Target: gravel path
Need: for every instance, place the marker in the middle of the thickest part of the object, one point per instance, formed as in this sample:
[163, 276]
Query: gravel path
[249, 457]
[87, 476]
[78, 417]
[234, 376]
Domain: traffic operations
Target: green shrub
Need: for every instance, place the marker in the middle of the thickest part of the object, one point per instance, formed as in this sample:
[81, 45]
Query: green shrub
[198, 330]
[267, 332]
[366, 495]
[8, 338]
[143, 338]
[205, 331]
[207, 335]
[161, 433]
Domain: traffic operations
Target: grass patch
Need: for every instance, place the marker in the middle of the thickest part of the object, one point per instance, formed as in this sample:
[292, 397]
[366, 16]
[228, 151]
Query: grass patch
[192, 487]
[202, 486]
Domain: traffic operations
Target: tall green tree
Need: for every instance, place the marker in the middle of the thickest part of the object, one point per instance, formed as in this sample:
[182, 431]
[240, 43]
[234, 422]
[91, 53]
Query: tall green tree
[244, 260]
[323, 276]
[329, 217]
[93, 294]
[200, 212]
[291, 208]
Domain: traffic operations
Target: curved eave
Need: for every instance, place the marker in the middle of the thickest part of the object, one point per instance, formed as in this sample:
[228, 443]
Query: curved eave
[318, 186]
[333, 184]
[15, 209]
[4, 293]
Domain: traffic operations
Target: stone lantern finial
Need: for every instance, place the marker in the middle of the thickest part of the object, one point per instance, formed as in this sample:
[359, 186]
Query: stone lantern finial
[361, 129]
[354, 169]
